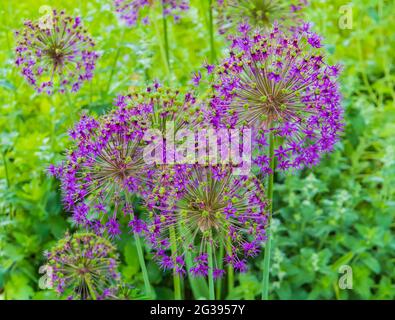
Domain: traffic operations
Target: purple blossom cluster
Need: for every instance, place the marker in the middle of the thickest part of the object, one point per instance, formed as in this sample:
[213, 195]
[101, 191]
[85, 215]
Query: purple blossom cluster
[56, 53]
[259, 13]
[209, 206]
[83, 266]
[279, 84]
[133, 11]
[103, 169]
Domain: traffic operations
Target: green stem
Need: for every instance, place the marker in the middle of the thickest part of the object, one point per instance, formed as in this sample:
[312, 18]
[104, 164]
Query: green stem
[266, 260]
[166, 39]
[231, 273]
[91, 291]
[211, 31]
[176, 276]
[140, 254]
[220, 266]
[114, 65]
[142, 265]
[210, 272]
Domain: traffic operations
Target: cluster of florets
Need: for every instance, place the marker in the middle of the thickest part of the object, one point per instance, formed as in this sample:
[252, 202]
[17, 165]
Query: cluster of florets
[83, 266]
[55, 53]
[133, 11]
[279, 83]
[212, 207]
[103, 169]
[259, 13]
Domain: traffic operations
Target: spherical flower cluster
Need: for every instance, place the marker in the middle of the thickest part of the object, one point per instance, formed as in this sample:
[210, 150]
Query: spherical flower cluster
[212, 207]
[133, 11]
[83, 266]
[279, 84]
[103, 169]
[259, 13]
[55, 53]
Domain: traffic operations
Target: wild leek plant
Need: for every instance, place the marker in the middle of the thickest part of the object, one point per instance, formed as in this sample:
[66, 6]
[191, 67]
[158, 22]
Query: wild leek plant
[55, 53]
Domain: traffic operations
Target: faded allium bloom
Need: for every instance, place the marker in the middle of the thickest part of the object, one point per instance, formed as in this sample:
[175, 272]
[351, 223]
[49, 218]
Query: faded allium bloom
[134, 11]
[211, 207]
[56, 53]
[103, 169]
[259, 13]
[83, 266]
[281, 84]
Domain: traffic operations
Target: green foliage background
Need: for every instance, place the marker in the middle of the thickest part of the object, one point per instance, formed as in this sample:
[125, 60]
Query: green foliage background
[341, 212]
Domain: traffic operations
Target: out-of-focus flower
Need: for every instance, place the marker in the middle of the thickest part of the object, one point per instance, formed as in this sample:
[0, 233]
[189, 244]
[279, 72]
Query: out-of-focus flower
[212, 208]
[83, 266]
[278, 83]
[133, 11]
[258, 13]
[56, 54]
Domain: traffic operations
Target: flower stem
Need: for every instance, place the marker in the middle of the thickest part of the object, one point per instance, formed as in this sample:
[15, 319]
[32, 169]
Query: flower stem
[231, 273]
[166, 38]
[266, 259]
[210, 272]
[211, 31]
[220, 266]
[176, 276]
[142, 265]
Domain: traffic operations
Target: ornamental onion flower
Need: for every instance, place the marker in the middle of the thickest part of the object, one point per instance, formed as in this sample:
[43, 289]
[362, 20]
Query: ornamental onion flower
[103, 169]
[133, 11]
[211, 208]
[56, 54]
[259, 13]
[83, 266]
[280, 83]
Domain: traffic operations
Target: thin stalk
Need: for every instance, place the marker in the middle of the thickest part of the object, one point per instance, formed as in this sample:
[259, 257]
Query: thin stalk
[266, 259]
[211, 31]
[231, 273]
[220, 266]
[176, 276]
[166, 38]
[210, 272]
[114, 65]
[140, 254]
[142, 265]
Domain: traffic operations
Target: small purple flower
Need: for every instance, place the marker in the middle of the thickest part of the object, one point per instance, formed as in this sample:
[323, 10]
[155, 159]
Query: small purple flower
[83, 266]
[278, 83]
[56, 54]
[197, 215]
[244, 15]
[133, 11]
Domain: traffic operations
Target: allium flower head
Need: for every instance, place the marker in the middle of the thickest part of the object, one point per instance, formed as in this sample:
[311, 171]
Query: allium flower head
[133, 11]
[56, 53]
[281, 84]
[212, 208]
[103, 169]
[83, 266]
[259, 13]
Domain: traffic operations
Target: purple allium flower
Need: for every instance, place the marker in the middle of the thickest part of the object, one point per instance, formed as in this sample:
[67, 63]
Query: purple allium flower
[83, 266]
[103, 169]
[258, 13]
[212, 207]
[280, 83]
[56, 54]
[133, 11]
